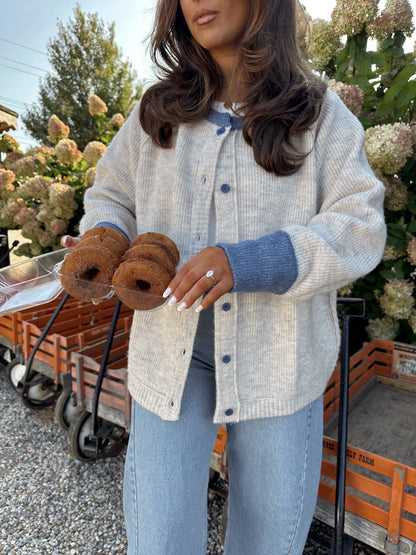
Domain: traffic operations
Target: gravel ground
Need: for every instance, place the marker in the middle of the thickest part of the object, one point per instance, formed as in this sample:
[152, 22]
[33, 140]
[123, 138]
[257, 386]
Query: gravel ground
[52, 504]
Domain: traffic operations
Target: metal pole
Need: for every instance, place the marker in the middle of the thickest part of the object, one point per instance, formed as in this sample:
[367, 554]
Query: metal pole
[338, 541]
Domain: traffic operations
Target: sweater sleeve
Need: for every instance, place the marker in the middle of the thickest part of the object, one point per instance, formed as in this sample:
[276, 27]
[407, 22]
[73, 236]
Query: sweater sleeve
[111, 200]
[343, 241]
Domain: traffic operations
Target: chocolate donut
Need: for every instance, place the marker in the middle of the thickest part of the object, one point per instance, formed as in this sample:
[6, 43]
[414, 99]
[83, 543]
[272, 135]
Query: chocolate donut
[107, 232]
[86, 272]
[163, 241]
[151, 252]
[140, 284]
[102, 241]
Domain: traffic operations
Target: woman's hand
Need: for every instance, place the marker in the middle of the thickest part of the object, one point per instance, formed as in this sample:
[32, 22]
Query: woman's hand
[69, 242]
[208, 270]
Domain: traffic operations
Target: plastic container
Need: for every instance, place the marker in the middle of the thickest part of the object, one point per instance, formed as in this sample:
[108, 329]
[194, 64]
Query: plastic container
[31, 282]
[38, 281]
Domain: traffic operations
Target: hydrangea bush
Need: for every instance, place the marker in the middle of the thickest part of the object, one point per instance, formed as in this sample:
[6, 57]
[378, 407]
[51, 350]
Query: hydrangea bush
[41, 191]
[379, 87]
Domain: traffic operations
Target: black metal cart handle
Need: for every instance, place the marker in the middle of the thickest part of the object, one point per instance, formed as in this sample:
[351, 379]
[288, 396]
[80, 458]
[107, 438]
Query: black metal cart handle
[342, 545]
[24, 385]
[103, 365]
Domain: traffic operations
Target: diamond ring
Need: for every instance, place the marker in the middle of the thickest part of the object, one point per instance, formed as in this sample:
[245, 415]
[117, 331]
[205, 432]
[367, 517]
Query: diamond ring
[210, 274]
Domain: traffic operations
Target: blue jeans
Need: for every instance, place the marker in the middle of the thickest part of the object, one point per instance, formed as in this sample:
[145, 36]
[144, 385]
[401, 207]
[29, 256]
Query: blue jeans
[273, 463]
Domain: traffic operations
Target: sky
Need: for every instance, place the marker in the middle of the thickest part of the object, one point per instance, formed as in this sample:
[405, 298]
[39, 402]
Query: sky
[26, 26]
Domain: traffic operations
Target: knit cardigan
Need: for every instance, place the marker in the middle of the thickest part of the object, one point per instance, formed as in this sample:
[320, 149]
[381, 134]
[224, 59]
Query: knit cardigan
[291, 241]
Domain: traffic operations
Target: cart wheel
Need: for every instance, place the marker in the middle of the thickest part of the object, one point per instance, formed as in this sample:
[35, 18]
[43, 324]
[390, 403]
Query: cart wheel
[6, 356]
[65, 408]
[40, 395]
[79, 429]
[15, 371]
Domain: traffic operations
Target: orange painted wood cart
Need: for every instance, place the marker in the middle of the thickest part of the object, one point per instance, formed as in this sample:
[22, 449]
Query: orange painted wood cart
[43, 340]
[380, 496]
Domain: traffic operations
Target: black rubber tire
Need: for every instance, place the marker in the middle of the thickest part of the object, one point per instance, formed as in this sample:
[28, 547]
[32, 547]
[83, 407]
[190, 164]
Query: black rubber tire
[80, 427]
[6, 356]
[39, 396]
[49, 389]
[65, 411]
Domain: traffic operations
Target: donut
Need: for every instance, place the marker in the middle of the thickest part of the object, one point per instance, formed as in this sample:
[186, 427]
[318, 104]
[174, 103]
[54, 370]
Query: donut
[140, 284]
[86, 272]
[151, 252]
[102, 241]
[163, 241]
[107, 232]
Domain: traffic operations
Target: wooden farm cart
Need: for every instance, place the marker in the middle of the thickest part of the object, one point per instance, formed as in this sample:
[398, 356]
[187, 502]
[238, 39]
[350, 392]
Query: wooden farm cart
[380, 497]
[99, 373]
[11, 326]
[42, 372]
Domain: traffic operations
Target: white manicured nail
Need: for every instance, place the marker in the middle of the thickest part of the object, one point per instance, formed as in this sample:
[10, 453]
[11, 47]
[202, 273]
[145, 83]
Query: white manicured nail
[198, 308]
[167, 292]
[182, 307]
[172, 301]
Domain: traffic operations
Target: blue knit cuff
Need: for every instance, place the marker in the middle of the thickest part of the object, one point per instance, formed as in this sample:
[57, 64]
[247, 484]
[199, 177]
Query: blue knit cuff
[113, 226]
[267, 264]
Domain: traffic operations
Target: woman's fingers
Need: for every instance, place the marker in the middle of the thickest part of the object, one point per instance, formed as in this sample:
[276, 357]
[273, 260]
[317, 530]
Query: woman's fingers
[69, 242]
[208, 271]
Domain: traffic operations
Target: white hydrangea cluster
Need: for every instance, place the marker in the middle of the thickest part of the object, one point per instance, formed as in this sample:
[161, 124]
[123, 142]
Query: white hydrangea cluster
[349, 17]
[96, 106]
[397, 300]
[396, 193]
[351, 95]
[382, 328]
[388, 146]
[93, 152]
[57, 129]
[67, 152]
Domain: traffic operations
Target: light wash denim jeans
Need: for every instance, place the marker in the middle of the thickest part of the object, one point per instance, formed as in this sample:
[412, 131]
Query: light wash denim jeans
[274, 469]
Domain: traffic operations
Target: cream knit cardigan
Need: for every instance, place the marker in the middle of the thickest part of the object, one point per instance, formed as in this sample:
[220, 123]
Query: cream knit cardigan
[274, 353]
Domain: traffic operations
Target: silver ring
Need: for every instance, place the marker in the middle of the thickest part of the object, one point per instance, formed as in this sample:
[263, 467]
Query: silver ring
[210, 274]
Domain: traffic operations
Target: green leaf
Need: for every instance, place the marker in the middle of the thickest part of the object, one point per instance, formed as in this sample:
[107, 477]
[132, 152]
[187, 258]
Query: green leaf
[385, 108]
[399, 244]
[404, 75]
[388, 274]
[387, 43]
[407, 94]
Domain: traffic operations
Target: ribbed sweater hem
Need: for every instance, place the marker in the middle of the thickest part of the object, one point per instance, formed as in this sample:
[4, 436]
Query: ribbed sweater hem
[160, 404]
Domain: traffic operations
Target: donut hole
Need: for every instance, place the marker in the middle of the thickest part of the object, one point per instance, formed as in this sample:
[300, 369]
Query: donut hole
[142, 285]
[90, 274]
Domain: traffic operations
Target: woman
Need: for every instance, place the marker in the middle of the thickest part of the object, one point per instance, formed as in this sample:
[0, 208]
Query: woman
[242, 157]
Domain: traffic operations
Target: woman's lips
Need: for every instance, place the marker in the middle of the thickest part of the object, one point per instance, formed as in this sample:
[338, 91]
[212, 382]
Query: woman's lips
[205, 17]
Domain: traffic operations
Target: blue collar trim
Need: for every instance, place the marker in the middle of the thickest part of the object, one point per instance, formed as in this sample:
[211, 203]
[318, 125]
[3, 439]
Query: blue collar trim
[223, 119]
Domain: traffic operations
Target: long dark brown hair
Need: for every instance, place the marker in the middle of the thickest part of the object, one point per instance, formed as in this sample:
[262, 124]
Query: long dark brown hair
[283, 98]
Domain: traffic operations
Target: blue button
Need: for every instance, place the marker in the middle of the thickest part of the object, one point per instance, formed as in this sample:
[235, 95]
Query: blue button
[226, 307]
[226, 359]
[221, 130]
[225, 188]
[229, 412]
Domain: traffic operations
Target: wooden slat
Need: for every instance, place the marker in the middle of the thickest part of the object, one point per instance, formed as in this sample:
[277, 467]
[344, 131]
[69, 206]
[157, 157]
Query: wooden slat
[362, 484]
[357, 506]
[395, 517]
